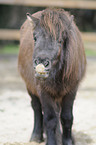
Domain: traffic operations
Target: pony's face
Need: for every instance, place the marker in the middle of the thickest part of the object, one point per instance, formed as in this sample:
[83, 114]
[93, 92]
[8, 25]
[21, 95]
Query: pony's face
[46, 50]
[50, 34]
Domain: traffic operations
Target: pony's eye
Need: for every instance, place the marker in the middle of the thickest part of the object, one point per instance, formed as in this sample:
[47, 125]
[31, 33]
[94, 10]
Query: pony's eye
[35, 39]
[60, 41]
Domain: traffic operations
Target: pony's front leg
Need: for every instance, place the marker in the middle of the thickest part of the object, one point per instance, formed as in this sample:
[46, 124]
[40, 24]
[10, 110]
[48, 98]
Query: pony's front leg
[37, 134]
[67, 118]
[50, 119]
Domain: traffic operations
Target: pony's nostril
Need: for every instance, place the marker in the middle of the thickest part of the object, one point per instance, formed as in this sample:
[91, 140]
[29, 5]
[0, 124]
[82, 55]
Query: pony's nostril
[42, 60]
[46, 63]
[36, 61]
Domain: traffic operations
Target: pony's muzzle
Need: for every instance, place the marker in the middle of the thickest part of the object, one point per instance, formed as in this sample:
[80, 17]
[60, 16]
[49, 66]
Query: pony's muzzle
[41, 72]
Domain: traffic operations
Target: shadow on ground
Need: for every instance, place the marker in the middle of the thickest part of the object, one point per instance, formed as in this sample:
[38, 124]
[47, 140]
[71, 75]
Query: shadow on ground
[80, 139]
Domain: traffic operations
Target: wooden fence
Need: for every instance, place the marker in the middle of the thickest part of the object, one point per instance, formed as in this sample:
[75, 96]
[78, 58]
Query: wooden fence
[6, 34]
[81, 4]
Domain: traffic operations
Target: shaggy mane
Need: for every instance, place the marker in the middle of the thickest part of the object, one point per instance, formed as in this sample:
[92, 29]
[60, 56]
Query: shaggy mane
[55, 22]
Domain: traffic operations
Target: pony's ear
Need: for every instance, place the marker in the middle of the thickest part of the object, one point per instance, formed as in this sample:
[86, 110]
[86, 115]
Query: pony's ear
[32, 19]
[71, 20]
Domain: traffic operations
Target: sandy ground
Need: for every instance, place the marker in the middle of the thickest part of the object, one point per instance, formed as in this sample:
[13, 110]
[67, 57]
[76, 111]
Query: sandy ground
[16, 115]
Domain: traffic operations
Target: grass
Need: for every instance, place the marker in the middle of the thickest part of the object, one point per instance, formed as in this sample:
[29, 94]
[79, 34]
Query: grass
[9, 49]
[90, 52]
[90, 49]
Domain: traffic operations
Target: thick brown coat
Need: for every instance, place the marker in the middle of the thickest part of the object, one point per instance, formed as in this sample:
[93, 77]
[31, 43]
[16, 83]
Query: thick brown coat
[76, 61]
[59, 41]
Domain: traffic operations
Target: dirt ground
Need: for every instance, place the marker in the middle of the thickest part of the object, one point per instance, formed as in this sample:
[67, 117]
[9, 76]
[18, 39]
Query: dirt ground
[16, 115]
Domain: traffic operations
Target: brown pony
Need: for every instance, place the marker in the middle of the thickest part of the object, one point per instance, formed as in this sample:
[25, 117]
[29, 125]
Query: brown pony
[52, 63]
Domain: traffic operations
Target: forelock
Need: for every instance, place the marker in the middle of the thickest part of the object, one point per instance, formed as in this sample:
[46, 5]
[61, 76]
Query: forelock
[55, 22]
